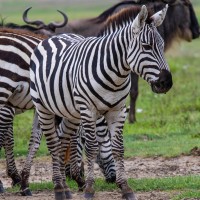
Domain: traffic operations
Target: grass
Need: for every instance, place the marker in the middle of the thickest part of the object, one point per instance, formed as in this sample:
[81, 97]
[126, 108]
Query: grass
[12, 10]
[188, 186]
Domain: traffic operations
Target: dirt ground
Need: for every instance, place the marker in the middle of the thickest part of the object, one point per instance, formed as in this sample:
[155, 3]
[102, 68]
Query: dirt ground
[135, 168]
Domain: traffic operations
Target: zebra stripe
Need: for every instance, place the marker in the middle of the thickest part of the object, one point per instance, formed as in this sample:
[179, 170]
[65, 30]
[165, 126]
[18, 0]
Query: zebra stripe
[15, 51]
[91, 78]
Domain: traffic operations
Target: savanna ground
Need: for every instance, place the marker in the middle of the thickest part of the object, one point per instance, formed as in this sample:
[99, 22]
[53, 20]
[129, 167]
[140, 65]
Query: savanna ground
[162, 149]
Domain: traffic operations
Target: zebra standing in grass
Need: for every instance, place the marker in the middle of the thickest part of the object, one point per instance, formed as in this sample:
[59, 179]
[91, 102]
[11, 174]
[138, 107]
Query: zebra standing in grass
[16, 47]
[80, 79]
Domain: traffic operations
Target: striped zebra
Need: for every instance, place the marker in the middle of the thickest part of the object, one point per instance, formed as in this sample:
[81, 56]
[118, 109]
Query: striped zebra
[15, 51]
[81, 79]
[18, 45]
[104, 158]
[13, 58]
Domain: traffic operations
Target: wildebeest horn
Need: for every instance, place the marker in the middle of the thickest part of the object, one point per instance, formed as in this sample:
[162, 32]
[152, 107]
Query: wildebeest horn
[41, 24]
[36, 22]
[54, 25]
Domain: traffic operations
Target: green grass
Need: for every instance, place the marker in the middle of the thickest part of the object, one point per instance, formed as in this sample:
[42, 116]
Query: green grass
[12, 10]
[188, 186]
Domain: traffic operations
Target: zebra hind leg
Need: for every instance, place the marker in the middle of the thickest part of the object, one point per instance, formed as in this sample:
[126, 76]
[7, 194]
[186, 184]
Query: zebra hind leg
[11, 166]
[34, 143]
[47, 125]
[116, 130]
[88, 118]
[6, 130]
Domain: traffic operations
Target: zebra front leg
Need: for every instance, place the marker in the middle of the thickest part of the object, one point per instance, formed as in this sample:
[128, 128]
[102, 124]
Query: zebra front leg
[88, 119]
[66, 130]
[47, 124]
[105, 159]
[34, 143]
[115, 120]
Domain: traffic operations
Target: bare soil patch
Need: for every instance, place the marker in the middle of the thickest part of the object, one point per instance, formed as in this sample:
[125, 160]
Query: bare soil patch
[135, 168]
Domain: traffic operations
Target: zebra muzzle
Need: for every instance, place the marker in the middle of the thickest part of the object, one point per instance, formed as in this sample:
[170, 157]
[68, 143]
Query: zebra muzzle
[164, 82]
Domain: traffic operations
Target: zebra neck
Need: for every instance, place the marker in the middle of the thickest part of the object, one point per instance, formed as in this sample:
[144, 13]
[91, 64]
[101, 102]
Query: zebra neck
[116, 53]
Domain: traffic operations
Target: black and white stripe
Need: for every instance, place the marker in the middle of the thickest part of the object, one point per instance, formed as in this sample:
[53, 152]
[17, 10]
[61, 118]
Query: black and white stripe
[81, 79]
[15, 50]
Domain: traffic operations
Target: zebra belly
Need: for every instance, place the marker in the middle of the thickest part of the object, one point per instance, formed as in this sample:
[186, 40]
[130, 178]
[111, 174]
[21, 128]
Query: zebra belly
[102, 100]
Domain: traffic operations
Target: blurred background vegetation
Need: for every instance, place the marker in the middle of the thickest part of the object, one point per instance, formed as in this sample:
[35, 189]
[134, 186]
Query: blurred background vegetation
[167, 125]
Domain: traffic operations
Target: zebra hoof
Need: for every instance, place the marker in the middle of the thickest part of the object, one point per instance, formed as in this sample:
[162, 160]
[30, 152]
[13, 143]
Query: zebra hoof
[68, 195]
[89, 196]
[129, 196]
[26, 192]
[2, 190]
[60, 196]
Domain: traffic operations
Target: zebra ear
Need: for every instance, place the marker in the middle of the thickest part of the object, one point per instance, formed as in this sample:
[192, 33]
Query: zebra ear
[139, 21]
[159, 16]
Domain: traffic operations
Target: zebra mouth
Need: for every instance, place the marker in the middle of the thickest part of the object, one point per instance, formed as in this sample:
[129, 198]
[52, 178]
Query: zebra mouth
[163, 83]
[158, 88]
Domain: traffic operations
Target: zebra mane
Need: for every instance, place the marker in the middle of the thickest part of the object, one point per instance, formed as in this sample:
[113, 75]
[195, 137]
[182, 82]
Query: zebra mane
[122, 18]
[22, 32]
[104, 16]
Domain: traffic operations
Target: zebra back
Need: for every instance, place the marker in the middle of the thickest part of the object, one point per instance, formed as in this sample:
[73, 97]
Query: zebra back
[16, 47]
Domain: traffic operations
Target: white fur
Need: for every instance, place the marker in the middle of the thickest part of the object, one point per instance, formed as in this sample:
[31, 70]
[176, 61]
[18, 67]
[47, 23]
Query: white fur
[159, 16]
[139, 21]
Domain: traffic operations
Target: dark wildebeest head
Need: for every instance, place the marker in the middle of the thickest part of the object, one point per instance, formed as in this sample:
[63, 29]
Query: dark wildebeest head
[181, 18]
[39, 26]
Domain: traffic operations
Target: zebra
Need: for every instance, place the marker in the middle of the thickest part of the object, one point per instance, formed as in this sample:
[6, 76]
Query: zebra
[18, 40]
[7, 112]
[81, 79]
[16, 47]
[168, 38]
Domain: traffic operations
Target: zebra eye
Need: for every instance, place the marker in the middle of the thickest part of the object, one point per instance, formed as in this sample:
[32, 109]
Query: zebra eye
[146, 47]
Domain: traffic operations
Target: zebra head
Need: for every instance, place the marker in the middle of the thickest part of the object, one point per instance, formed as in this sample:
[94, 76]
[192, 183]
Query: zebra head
[146, 51]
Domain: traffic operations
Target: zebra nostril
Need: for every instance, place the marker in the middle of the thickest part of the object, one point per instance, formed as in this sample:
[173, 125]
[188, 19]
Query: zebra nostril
[162, 84]
[165, 79]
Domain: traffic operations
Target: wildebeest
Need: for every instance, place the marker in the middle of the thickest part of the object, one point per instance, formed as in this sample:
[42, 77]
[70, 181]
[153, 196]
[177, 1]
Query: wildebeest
[180, 24]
